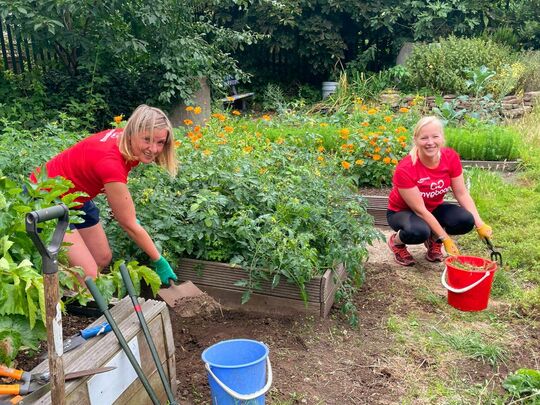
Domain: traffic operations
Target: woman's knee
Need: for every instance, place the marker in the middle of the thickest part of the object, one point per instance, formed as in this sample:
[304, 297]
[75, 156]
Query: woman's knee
[463, 224]
[103, 259]
[415, 235]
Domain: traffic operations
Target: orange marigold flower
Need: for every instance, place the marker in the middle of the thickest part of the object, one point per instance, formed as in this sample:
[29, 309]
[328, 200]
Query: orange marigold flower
[377, 149]
[403, 110]
[382, 127]
[359, 162]
[387, 160]
[372, 111]
[228, 129]
[386, 140]
[177, 143]
[346, 165]
[403, 144]
[388, 118]
[197, 110]
[197, 128]
[344, 132]
[266, 117]
[222, 142]
[321, 149]
[394, 161]
[320, 158]
[376, 157]
[400, 130]
[364, 107]
[189, 108]
[188, 122]
[118, 119]
[235, 112]
[247, 149]
[258, 134]
[207, 152]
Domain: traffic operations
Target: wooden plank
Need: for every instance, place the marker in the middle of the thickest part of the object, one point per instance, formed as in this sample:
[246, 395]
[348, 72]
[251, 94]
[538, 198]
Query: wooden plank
[221, 275]
[170, 350]
[259, 303]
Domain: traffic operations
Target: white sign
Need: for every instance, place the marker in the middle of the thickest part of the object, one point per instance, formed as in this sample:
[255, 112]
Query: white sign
[105, 388]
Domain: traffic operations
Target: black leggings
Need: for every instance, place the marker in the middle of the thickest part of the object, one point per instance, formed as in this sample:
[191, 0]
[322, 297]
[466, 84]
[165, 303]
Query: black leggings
[413, 230]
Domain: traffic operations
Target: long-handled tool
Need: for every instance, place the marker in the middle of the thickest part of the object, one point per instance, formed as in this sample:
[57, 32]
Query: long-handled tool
[495, 255]
[53, 315]
[131, 291]
[102, 305]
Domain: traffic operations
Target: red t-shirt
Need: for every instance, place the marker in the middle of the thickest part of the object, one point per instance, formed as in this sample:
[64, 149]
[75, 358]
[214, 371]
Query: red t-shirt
[91, 163]
[432, 183]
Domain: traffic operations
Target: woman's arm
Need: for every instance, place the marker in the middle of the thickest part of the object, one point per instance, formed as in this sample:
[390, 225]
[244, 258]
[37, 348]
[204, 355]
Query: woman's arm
[465, 200]
[123, 209]
[415, 202]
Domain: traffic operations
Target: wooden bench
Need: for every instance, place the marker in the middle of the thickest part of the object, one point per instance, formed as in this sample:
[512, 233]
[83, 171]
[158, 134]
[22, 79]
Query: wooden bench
[234, 97]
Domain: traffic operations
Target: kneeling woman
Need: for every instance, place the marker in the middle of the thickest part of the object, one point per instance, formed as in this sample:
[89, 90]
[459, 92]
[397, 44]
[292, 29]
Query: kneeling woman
[416, 210]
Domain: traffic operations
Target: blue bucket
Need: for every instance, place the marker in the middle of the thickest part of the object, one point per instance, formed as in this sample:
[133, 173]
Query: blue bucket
[237, 372]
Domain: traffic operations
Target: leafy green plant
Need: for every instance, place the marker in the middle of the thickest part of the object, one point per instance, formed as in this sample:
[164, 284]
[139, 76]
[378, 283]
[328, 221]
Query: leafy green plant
[15, 333]
[524, 382]
[484, 142]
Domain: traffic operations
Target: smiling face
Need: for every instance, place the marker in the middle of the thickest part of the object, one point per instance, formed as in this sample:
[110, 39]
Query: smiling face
[146, 147]
[429, 141]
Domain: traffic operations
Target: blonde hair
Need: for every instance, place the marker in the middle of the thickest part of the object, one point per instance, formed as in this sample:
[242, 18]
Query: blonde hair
[147, 119]
[430, 119]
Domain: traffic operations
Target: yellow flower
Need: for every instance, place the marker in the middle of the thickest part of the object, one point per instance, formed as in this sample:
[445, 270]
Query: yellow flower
[207, 152]
[365, 124]
[400, 130]
[188, 122]
[394, 161]
[358, 100]
[387, 160]
[197, 110]
[376, 157]
[280, 140]
[372, 111]
[189, 108]
[359, 162]
[263, 170]
[382, 127]
[266, 117]
[320, 158]
[118, 119]
[247, 149]
[258, 134]
[228, 129]
[235, 112]
[403, 110]
[177, 143]
[323, 124]
[388, 118]
[344, 133]
[321, 149]
[345, 165]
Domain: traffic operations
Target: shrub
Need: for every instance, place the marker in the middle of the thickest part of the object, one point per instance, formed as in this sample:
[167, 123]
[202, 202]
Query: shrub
[488, 142]
[530, 80]
[441, 66]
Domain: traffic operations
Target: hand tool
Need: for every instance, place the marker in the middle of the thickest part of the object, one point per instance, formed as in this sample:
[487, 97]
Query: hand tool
[100, 301]
[131, 291]
[495, 255]
[53, 315]
[33, 382]
[85, 334]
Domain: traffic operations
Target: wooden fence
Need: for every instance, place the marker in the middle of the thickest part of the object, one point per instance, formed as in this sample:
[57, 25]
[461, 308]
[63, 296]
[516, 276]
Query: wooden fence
[20, 51]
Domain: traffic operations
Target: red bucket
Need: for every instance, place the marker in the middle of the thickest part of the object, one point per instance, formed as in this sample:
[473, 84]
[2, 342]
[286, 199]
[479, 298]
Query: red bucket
[468, 290]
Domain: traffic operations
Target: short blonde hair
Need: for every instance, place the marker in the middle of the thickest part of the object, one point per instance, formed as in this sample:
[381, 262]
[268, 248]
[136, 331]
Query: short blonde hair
[147, 119]
[429, 119]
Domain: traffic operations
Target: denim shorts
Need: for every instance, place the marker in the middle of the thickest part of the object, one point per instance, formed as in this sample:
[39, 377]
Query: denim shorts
[90, 216]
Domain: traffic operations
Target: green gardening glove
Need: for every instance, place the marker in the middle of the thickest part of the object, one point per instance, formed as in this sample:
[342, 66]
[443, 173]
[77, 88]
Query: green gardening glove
[164, 270]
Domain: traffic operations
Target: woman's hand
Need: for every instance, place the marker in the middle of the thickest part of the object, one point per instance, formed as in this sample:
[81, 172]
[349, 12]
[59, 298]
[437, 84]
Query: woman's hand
[450, 247]
[484, 231]
[164, 270]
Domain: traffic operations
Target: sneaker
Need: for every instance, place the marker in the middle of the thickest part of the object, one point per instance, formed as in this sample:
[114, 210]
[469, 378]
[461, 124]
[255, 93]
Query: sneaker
[401, 254]
[434, 253]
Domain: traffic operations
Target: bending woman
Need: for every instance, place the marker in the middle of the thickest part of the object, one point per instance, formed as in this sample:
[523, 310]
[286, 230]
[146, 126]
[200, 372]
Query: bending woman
[416, 211]
[101, 163]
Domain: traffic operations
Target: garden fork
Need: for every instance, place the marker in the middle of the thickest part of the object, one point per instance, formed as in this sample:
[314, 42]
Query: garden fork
[495, 255]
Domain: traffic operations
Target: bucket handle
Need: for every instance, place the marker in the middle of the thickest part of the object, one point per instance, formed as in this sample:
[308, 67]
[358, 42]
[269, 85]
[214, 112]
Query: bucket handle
[464, 289]
[244, 397]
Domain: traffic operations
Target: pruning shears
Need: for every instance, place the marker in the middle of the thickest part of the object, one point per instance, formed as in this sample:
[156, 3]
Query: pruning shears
[495, 255]
[28, 383]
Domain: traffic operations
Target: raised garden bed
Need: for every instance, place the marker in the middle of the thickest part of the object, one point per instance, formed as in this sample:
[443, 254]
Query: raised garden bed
[218, 280]
[495, 165]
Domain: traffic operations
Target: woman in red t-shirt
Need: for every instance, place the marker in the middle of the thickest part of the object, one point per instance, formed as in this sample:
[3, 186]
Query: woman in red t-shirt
[101, 163]
[416, 210]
